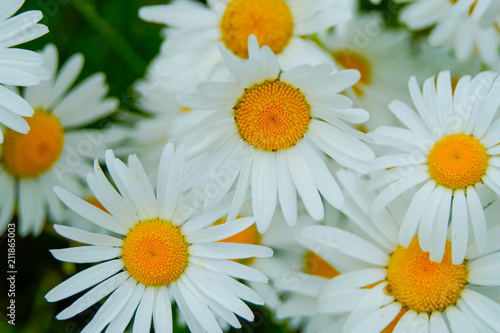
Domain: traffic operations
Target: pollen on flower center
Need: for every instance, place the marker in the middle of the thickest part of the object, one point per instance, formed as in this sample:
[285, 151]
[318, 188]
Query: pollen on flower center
[32, 154]
[457, 161]
[348, 59]
[421, 284]
[272, 115]
[155, 252]
[269, 20]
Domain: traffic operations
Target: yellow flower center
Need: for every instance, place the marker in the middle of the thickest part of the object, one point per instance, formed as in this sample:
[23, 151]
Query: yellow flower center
[248, 236]
[272, 115]
[348, 59]
[315, 265]
[32, 154]
[155, 252]
[269, 20]
[457, 160]
[421, 284]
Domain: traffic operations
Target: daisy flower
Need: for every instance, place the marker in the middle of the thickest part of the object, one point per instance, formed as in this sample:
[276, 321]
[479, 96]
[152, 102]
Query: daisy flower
[451, 148]
[383, 58]
[269, 130]
[51, 153]
[279, 24]
[160, 252]
[18, 67]
[385, 287]
[463, 25]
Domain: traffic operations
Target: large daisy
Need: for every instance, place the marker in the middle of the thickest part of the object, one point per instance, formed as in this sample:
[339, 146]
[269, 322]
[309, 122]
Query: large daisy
[161, 251]
[451, 148]
[18, 67]
[268, 131]
[385, 287]
[51, 153]
[463, 25]
[280, 24]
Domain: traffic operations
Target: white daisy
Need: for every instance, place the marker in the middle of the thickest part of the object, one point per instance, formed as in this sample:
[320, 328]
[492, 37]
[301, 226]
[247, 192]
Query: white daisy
[268, 130]
[384, 287]
[18, 67]
[161, 251]
[196, 29]
[51, 153]
[383, 58]
[462, 25]
[451, 147]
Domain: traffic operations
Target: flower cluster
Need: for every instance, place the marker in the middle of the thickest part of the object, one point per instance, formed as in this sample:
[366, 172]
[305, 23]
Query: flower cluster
[298, 154]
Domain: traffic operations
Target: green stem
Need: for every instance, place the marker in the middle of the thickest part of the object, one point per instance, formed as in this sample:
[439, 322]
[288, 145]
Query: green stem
[116, 40]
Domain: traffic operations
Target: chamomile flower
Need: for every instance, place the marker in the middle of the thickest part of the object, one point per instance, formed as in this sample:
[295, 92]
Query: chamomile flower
[269, 131]
[280, 24]
[383, 58]
[51, 153]
[462, 25]
[451, 147]
[162, 251]
[18, 67]
[385, 287]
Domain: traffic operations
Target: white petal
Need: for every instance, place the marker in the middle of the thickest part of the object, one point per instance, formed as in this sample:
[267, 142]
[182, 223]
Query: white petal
[459, 227]
[230, 268]
[93, 296]
[218, 232]
[87, 237]
[84, 254]
[346, 243]
[144, 313]
[90, 212]
[229, 251]
[477, 218]
[113, 305]
[84, 279]
[305, 184]
[162, 313]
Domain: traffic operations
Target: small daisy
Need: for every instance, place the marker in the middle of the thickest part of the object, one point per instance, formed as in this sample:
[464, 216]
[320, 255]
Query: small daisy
[462, 25]
[383, 58]
[451, 147]
[51, 153]
[279, 24]
[18, 67]
[385, 287]
[268, 132]
[161, 252]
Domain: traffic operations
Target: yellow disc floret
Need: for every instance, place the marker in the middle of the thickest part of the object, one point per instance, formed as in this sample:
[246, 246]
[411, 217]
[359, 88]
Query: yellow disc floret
[32, 154]
[457, 161]
[421, 284]
[348, 59]
[269, 20]
[315, 265]
[155, 252]
[272, 115]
